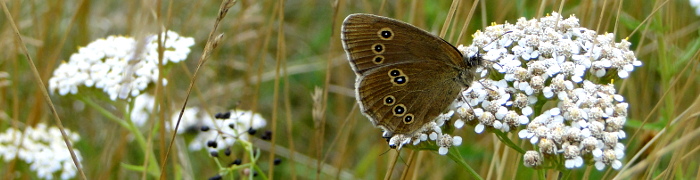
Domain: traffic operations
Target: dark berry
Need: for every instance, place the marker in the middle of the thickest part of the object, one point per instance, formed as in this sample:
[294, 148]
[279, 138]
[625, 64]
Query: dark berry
[236, 162]
[214, 153]
[267, 135]
[225, 115]
[277, 161]
[227, 151]
[251, 131]
[217, 177]
[211, 143]
[204, 128]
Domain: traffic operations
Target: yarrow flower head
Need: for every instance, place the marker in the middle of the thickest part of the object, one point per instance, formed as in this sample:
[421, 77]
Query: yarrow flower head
[696, 5]
[551, 59]
[217, 132]
[431, 131]
[42, 148]
[118, 65]
[142, 108]
[4, 76]
[220, 132]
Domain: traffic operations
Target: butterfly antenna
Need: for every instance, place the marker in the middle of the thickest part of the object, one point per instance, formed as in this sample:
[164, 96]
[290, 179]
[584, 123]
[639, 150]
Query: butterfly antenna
[479, 58]
[470, 106]
[390, 171]
[464, 99]
[402, 160]
[486, 87]
[495, 40]
[382, 154]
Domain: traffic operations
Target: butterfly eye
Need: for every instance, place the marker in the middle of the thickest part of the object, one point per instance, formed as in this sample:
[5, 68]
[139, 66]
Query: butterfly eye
[401, 80]
[399, 110]
[474, 61]
[378, 59]
[408, 119]
[395, 72]
[385, 33]
[378, 48]
[389, 100]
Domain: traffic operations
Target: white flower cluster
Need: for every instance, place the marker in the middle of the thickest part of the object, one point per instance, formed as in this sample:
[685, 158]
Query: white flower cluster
[430, 131]
[4, 79]
[42, 148]
[696, 5]
[143, 106]
[586, 120]
[551, 59]
[225, 130]
[112, 65]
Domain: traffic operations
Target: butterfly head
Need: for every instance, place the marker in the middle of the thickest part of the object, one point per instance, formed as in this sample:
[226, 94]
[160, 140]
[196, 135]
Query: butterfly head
[395, 140]
[468, 75]
[474, 61]
[398, 140]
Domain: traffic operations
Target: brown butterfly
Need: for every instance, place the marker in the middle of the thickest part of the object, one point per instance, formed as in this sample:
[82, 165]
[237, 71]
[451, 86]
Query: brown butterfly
[406, 76]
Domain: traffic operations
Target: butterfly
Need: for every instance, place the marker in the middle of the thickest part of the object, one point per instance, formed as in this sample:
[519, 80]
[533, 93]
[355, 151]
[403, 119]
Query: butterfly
[405, 76]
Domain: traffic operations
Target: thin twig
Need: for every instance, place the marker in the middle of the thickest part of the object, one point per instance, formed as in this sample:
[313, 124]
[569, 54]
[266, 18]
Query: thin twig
[212, 43]
[44, 92]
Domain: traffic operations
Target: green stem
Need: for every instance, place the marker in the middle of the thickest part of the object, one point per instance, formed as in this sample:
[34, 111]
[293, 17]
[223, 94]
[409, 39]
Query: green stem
[153, 163]
[541, 174]
[262, 175]
[541, 100]
[127, 124]
[103, 111]
[141, 140]
[218, 163]
[565, 174]
[457, 157]
[504, 138]
[254, 156]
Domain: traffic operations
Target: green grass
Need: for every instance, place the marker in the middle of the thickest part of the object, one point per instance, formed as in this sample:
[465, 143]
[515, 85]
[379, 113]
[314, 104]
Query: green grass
[241, 73]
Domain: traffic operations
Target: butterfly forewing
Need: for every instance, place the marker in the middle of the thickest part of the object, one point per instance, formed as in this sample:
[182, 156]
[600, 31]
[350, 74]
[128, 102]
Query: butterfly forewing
[360, 32]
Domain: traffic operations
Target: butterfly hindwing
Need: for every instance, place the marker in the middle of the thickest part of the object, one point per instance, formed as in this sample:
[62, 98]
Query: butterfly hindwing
[431, 91]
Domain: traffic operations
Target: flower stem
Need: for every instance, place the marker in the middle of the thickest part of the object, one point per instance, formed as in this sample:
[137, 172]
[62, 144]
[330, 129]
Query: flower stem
[103, 111]
[127, 124]
[564, 174]
[504, 138]
[541, 174]
[457, 157]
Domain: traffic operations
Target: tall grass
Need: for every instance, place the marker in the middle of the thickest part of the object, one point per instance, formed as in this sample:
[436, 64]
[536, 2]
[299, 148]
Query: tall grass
[284, 60]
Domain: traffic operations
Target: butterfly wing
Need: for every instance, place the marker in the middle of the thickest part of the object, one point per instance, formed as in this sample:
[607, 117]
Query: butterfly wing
[406, 43]
[425, 83]
[431, 90]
